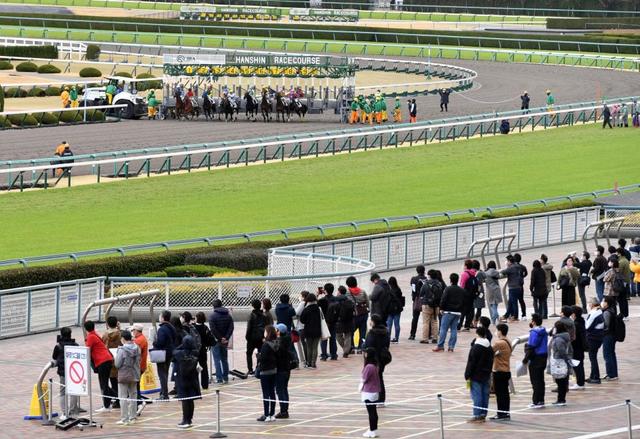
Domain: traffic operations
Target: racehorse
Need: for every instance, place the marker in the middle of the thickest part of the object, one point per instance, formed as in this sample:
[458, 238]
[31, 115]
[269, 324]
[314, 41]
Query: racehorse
[185, 108]
[298, 107]
[251, 106]
[265, 107]
[282, 107]
[209, 107]
[229, 106]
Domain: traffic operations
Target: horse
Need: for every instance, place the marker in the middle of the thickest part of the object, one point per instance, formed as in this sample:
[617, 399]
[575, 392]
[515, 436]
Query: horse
[209, 107]
[298, 107]
[282, 108]
[265, 107]
[229, 106]
[251, 106]
[187, 108]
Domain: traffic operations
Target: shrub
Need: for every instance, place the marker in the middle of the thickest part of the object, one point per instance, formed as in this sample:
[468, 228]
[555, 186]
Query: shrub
[37, 92]
[90, 72]
[46, 118]
[124, 74]
[53, 91]
[95, 116]
[194, 270]
[14, 92]
[26, 66]
[50, 52]
[147, 85]
[245, 260]
[48, 68]
[6, 65]
[23, 120]
[93, 52]
[154, 274]
[4, 122]
[70, 117]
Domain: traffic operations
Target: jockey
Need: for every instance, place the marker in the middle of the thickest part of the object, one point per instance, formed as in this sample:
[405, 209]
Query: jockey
[205, 93]
[397, 111]
[190, 93]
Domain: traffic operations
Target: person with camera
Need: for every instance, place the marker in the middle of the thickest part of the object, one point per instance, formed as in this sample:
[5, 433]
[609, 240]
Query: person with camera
[221, 326]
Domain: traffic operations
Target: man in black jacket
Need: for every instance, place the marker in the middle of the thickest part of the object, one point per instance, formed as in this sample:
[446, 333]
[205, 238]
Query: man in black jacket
[416, 302]
[221, 326]
[344, 325]
[478, 372]
[255, 332]
[450, 309]
[380, 296]
[324, 302]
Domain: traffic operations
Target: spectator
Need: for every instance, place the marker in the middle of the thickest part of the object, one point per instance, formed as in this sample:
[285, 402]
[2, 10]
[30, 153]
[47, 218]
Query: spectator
[344, 325]
[416, 285]
[550, 276]
[536, 357]
[525, 100]
[560, 364]
[485, 322]
[325, 300]
[502, 372]
[65, 98]
[565, 317]
[430, 297]
[185, 366]
[524, 273]
[538, 288]
[255, 331]
[479, 301]
[515, 281]
[450, 308]
[297, 335]
[62, 340]
[370, 389]
[102, 362]
[165, 341]
[268, 366]
[505, 127]
[311, 317]
[221, 326]
[378, 339]
[140, 340]
[361, 300]
[478, 373]
[285, 357]
[598, 270]
[606, 117]
[609, 339]
[494, 293]
[128, 366]
[285, 312]
[397, 305]
[567, 281]
[180, 332]
[625, 272]
[579, 345]
[624, 115]
[266, 310]
[584, 280]
[66, 157]
[413, 111]
[206, 342]
[380, 296]
[470, 284]
[111, 338]
[634, 266]
[444, 99]
[595, 334]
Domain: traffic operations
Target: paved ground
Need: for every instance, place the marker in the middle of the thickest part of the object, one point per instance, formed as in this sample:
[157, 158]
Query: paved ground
[498, 87]
[326, 402]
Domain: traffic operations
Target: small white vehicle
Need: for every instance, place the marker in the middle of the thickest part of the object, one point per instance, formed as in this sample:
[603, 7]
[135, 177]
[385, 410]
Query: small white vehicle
[126, 93]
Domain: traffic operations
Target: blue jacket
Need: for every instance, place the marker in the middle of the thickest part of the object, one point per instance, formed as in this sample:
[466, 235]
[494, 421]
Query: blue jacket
[538, 340]
[285, 314]
[166, 338]
[221, 324]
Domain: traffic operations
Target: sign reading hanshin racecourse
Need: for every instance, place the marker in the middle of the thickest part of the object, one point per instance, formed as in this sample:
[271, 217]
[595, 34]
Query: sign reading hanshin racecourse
[258, 64]
[76, 370]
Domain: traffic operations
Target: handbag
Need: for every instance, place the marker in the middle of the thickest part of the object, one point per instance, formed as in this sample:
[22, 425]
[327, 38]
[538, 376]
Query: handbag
[558, 368]
[324, 329]
[157, 355]
[521, 369]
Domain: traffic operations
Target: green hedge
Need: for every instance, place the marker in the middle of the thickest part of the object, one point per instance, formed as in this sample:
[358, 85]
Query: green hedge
[5, 65]
[124, 74]
[90, 72]
[93, 52]
[147, 85]
[50, 52]
[53, 91]
[95, 116]
[26, 67]
[22, 120]
[194, 270]
[4, 122]
[14, 92]
[46, 118]
[48, 68]
[37, 92]
[70, 117]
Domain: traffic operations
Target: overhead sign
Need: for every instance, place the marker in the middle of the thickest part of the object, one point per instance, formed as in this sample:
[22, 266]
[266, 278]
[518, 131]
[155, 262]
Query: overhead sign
[188, 58]
[76, 370]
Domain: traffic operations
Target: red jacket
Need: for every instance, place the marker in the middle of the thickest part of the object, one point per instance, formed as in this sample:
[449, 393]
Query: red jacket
[99, 352]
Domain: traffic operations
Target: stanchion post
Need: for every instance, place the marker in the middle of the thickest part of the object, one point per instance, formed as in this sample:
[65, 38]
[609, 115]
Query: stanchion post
[553, 288]
[628, 403]
[50, 414]
[441, 416]
[218, 433]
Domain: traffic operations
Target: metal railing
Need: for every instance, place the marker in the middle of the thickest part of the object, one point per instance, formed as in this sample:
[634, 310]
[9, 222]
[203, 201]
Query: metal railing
[40, 308]
[631, 215]
[600, 228]
[398, 250]
[209, 156]
[79, 115]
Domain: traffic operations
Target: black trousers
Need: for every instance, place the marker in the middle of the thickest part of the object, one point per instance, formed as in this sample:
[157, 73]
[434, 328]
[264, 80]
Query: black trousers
[251, 346]
[444, 106]
[382, 396]
[414, 322]
[163, 377]
[501, 386]
[607, 121]
[563, 388]
[204, 374]
[594, 347]
[467, 314]
[537, 366]
[579, 369]
[113, 383]
[372, 411]
[568, 295]
[104, 370]
[187, 411]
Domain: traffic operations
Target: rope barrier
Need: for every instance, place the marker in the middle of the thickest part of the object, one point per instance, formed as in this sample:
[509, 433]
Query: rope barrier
[526, 411]
[465, 96]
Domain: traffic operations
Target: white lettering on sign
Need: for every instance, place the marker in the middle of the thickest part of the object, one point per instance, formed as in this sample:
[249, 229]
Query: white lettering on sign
[251, 60]
[297, 60]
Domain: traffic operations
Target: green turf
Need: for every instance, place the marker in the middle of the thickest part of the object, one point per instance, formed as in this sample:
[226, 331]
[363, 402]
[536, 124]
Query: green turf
[391, 182]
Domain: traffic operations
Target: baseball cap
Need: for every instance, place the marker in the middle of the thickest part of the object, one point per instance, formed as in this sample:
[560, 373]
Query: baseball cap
[282, 328]
[138, 327]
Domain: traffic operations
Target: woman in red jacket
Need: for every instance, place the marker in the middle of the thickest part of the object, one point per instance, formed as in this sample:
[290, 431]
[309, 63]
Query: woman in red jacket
[101, 361]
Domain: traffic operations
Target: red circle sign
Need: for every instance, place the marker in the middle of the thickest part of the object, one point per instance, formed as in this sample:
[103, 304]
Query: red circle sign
[76, 372]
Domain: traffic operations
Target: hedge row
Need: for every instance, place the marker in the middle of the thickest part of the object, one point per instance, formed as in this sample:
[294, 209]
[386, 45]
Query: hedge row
[28, 66]
[52, 90]
[50, 52]
[594, 23]
[334, 32]
[44, 118]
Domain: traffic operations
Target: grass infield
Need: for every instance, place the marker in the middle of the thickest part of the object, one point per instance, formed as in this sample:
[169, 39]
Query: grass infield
[402, 181]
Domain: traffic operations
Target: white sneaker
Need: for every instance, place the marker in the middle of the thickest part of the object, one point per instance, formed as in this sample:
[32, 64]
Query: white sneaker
[270, 419]
[141, 408]
[536, 406]
[122, 422]
[576, 387]
[62, 418]
[184, 425]
[103, 410]
[131, 421]
[370, 433]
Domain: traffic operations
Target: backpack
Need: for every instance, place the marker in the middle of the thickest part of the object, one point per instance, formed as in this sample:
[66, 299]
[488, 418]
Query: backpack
[209, 339]
[193, 332]
[564, 281]
[553, 277]
[258, 328]
[395, 306]
[333, 313]
[618, 285]
[188, 365]
[346, 311]
[619, 328]
[431, 293]
[473, 286]
[417, 303]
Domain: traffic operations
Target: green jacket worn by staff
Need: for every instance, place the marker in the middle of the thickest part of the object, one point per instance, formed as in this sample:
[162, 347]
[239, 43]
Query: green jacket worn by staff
[398, 104]
[111, 89]
[366, 107]
[383, 104]
[354, 106]
[377, 107]
[550, 99]
[151, 99]
[73, 94]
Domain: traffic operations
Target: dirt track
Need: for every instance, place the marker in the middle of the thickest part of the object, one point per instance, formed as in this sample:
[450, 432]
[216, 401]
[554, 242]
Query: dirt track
[497, 88]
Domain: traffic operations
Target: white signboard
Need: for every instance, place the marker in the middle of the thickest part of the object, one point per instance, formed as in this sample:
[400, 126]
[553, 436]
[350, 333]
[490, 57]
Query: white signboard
[172, 58]
[77, 370]
[244, 292]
